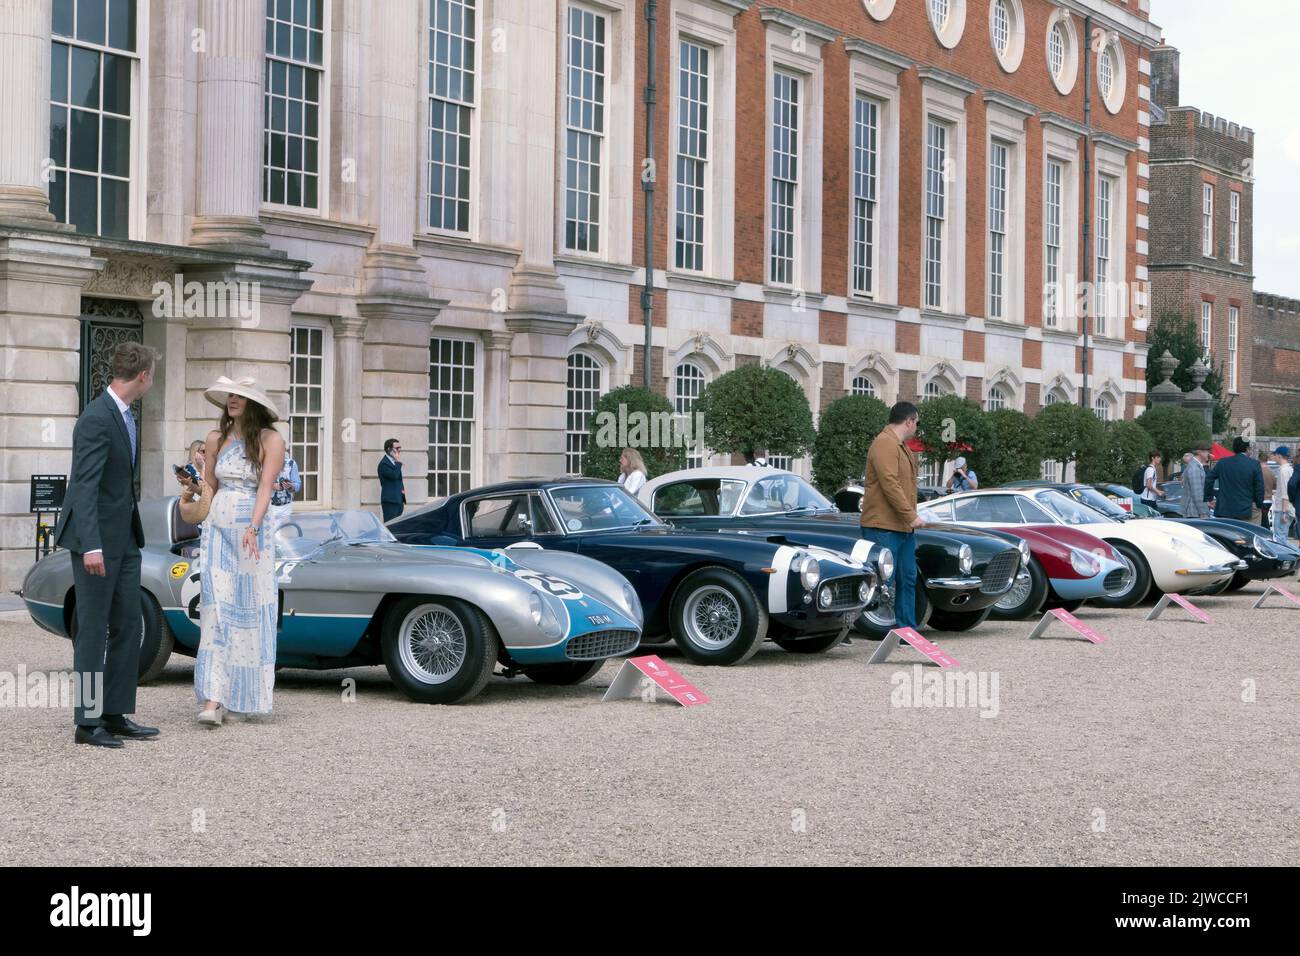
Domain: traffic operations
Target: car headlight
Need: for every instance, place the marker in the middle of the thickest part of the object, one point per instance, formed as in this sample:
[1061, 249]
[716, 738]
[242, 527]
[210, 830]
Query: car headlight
[544, 616]
[864, 591]
[825, 598]
[634, 603]
[1265, 547]
[886, 564]
[965, 559]
[1083, 563]
[810, 571]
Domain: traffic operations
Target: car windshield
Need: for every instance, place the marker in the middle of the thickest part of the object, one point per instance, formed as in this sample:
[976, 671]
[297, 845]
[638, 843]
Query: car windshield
[1067, 509]
[1095, 499]
[304, 533]
[599, 508]
[781, 494]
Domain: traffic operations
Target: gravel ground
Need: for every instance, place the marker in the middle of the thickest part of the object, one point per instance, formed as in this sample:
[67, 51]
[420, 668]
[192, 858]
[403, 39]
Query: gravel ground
[1137, 751]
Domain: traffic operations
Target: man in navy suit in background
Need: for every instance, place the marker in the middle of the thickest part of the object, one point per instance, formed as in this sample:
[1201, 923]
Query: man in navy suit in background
[392, 493]
[100, 527]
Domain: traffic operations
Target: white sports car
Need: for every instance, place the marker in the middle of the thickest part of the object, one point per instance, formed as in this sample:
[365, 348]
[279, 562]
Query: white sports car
[1161, 554]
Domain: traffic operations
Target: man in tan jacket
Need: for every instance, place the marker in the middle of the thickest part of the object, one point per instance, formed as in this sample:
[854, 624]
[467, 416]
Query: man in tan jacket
[889, 515]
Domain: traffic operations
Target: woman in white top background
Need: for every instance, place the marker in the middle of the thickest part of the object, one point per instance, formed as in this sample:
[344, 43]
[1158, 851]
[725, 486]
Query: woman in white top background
[631, 470]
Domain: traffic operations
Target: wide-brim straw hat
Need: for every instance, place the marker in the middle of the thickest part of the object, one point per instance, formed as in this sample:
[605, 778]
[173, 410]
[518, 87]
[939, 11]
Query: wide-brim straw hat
[247, 387]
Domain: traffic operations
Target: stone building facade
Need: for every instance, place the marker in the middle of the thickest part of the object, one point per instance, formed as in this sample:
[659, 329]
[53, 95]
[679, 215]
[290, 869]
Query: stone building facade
[1202, 228]
[423, 219]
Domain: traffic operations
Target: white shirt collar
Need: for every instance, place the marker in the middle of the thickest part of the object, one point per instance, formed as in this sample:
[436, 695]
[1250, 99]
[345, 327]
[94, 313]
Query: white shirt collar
[121, 405]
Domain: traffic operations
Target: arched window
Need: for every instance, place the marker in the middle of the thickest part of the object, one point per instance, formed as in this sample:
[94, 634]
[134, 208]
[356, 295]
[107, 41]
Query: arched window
[1103, 407]
[936, 388]
[863, 386]
[783, 461]
[997, 399]
[688, 382]
[584, 388]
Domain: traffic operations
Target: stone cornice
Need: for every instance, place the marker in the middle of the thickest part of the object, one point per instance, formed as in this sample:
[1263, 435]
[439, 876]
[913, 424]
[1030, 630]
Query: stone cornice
[881, 56]
[548, 323]
[819, 32]
[1115, 142]
[1010, 103]
[1063, 123]
[394, 306]
[951, 81]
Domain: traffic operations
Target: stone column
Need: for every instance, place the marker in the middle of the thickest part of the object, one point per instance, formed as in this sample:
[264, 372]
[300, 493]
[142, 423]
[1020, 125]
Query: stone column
[24, 109]
[348, 411]
[41, 278]
[538, 388]
[228, 167]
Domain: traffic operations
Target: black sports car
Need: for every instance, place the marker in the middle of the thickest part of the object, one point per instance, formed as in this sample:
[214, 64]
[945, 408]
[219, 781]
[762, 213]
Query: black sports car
[961, 572]
[718, 595]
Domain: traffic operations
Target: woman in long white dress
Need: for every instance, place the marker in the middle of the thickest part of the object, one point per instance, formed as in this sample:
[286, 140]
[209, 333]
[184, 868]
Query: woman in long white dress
[235, 667]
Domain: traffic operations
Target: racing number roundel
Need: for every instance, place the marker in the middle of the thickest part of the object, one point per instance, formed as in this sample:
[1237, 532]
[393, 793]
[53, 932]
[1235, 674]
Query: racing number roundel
[544, 582]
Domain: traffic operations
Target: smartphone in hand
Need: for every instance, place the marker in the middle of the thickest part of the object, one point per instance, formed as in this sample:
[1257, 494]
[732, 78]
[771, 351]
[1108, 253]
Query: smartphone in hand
[186, 473]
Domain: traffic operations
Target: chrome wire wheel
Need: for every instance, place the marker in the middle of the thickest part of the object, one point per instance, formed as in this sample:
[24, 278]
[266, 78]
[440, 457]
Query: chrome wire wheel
[711, 617]
[882, 615]
[1018, 594]
[432, 644]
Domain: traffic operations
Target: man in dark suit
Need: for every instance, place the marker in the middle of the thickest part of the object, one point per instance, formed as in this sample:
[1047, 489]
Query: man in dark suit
[100, 527]
[392, 493]
[1238, 484]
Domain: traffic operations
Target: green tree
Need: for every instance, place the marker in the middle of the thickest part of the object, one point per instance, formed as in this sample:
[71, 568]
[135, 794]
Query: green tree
[844, 435]
[1125, 446]
[1015, 452]
[950, 425]
[631, 417]
[1286, 425]
[1173, 430]
[1069, 433]
[1181, 336]
[755, 408]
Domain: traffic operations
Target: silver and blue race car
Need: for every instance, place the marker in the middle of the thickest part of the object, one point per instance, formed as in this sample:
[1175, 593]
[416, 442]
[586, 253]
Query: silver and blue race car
[439, 618]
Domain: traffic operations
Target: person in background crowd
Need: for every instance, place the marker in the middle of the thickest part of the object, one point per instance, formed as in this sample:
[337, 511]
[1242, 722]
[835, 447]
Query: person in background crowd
[1293, 489]
[1270, 486]
[631, 471]
[1237, 485]
[962, 478]
[1193, 479]
[1150, 489]
[392, 492]
[100, 527]
[1284, 511]
[758, 458]
[1187, 459]
[287, 484]
[889, 514]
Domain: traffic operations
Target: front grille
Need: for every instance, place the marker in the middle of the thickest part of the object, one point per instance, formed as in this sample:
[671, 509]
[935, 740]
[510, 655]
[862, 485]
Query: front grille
[844, 594]
[1000, 572]
[601, 644]
[1116, 579]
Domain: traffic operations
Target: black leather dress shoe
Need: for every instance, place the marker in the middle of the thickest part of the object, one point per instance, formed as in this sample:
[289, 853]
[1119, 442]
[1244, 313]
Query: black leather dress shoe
[125, 727]
[96, 737]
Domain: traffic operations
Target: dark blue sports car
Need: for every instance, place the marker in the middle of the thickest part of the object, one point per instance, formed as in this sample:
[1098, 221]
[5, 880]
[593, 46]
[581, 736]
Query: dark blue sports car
[718, 595]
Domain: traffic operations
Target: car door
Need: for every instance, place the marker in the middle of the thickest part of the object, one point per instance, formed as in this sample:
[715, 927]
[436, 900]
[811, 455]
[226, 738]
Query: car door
[694, 503]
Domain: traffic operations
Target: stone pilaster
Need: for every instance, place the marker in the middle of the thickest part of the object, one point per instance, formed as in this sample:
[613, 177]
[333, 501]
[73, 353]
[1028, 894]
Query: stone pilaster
[395, 389]
[534, 287]
[350, 156]
[495, 413]
[228, 167]
[349, 334]
[538, 379]
[392, 266]
[24, 109]
[41, 278]
[172, 136]
[251, 339]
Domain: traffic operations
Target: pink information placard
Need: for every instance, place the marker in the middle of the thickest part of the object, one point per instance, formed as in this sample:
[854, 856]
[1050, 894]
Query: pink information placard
[1065, 617]
[931, 650]
[628, 681]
